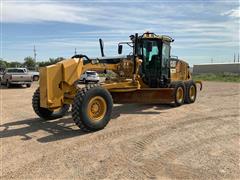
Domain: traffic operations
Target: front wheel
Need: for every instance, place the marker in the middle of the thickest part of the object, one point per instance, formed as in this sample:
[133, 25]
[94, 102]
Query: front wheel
[46, 113]
[92, 108]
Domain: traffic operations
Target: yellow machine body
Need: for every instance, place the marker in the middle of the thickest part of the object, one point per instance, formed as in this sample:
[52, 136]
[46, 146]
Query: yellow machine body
[180, 70]
[58, 82]
[147, 75]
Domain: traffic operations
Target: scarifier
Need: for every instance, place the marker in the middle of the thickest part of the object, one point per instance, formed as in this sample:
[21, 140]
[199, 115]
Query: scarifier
[147, 75]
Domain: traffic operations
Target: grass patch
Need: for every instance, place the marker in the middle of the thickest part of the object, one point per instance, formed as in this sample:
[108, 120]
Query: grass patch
[223, 77]
[102, 75]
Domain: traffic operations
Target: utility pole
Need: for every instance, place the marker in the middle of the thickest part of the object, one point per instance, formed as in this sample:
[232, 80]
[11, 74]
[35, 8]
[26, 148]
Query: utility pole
[75, 52]
[211, 60]
[35, 56]
[238, 57]
[234, 58]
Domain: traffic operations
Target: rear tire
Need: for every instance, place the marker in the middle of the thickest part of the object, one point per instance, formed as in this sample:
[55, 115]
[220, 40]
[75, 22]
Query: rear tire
[92, 108]
[178, 93]
[28, 85]
[45, 113]
[191, 92]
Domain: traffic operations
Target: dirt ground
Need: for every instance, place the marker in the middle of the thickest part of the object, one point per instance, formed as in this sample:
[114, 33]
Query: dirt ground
[200, 140]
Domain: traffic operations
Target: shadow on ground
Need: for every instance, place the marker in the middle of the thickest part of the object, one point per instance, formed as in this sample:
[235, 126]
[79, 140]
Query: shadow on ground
[14, 86]
[63, 128]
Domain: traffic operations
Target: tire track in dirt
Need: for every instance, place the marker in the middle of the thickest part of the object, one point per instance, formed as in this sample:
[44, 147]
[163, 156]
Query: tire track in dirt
[133, 157]
[133, 131]
[140, 145]
[93, 139]
[148, 167]
[162, 165]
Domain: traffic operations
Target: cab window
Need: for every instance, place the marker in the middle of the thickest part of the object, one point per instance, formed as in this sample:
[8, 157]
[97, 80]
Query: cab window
[165, 55]
[150, 53]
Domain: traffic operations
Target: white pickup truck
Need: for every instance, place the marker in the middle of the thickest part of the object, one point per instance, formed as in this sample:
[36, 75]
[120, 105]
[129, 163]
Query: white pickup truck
[19, 76]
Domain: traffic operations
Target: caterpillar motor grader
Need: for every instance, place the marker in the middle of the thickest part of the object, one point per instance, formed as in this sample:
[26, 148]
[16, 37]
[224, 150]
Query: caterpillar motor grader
[147, 75]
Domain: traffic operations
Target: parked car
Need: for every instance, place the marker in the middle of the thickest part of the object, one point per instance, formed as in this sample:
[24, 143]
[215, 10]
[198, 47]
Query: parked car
[1, 75]
[89, 76]
[35, 75]
[1, 72]
[16, 76]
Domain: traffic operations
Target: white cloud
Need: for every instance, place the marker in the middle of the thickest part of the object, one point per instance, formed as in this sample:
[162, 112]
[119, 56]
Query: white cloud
[193, 25]
[20, 12]
[232, 13]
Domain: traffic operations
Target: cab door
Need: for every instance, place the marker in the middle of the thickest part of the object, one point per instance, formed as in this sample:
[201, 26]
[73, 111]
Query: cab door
[165, 63]
[151, 66]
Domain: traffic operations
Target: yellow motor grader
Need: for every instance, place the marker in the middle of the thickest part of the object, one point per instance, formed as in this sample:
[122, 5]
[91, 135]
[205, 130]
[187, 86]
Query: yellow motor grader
[147, 75]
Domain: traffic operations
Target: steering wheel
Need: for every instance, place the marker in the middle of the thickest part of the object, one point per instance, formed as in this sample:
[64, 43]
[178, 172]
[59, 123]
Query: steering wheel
[80, 56]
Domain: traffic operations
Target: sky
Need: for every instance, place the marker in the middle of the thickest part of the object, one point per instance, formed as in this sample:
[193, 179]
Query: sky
[203, 30]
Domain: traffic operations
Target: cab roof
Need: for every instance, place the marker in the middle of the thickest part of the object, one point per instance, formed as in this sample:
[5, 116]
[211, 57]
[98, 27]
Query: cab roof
[150, 35]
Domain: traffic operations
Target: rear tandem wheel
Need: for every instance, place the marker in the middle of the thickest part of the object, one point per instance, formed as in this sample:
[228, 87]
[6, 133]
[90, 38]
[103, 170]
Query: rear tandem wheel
[191, 92]
[178, 93]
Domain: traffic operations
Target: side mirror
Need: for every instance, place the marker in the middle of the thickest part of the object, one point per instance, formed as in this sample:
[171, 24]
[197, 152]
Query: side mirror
[149, 46]
[120, 47]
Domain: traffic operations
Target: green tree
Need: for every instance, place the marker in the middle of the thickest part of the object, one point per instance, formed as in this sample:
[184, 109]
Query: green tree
[15, 64]
[3, 64]
[50, 61]
[29, 62]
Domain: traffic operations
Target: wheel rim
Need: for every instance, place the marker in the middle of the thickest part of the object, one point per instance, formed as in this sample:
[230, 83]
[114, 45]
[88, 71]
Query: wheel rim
[192, 92]
[97, 108]
[180, 94]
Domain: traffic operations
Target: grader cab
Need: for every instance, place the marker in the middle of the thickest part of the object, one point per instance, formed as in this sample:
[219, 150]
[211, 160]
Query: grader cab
[146, 75]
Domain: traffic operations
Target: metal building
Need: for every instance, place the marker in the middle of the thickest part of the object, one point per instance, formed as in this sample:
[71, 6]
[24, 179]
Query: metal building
[217, 68]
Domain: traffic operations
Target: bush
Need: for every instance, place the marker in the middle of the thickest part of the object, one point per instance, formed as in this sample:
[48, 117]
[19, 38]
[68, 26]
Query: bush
[221, 77]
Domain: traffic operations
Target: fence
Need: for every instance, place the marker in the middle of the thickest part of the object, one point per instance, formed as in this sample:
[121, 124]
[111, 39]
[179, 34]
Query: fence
[215, 68]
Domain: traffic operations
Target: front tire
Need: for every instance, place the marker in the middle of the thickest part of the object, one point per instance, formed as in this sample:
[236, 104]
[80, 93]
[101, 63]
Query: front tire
[45, 113]
[92, 108]
[28, 85]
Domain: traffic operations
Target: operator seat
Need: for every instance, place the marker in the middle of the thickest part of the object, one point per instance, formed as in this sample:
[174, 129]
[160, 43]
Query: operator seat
[152, 72]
